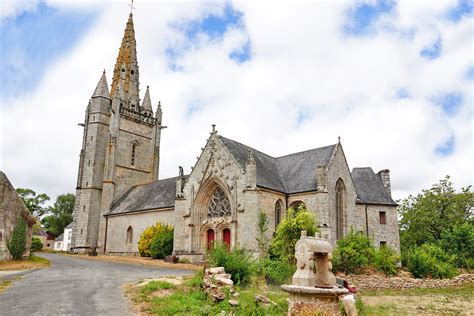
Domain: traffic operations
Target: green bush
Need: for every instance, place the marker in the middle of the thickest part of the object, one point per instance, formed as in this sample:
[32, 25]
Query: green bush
[162, 243]
[459, 242]
[147, 236]
[238, 262]
[276, 272]
[17, 243]
[289, 232]
[353, 252]
[36, 244]
[385, 260]
[431, 260]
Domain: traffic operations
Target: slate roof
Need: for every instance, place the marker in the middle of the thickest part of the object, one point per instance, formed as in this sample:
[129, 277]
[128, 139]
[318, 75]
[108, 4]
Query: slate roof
[369, 187]
[290, 174]
[153, 195]
[68, 226]
[59, 238]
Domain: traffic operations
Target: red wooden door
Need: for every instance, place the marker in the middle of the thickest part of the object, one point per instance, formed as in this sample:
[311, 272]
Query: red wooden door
[226, 238]
[210, 238]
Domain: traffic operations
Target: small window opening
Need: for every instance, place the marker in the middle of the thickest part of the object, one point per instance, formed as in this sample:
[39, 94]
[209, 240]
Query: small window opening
[123, 69]
[383, 218]
[89, 163]
[129, 235]
[83, 208]
[132, 72]
[133, 154]
[92, 137]
[383, 243]
[81, 231]
[93, 117]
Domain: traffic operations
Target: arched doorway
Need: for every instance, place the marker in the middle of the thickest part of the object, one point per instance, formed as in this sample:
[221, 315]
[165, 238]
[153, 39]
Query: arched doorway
[210, 238]
[226, 238]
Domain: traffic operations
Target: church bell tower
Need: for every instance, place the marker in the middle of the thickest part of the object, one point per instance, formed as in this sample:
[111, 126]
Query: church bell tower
[120, 147]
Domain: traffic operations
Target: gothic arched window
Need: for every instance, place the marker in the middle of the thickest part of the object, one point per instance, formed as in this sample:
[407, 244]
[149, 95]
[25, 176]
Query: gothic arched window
[278, 208]
[219, 205]
[129, 235]
[296, 205]
[340, 194]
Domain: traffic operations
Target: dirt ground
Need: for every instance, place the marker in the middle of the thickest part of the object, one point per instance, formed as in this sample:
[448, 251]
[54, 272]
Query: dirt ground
[21, 265]
[447, 301]
[145, 261]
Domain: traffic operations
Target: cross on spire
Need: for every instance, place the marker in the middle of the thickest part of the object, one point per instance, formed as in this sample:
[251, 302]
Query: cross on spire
[131, 6]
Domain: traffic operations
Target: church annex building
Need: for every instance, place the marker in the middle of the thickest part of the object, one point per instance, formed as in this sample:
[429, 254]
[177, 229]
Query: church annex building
[119, 193]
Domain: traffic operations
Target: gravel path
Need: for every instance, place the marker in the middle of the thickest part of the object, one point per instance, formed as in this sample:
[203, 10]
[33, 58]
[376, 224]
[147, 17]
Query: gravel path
[75, 286]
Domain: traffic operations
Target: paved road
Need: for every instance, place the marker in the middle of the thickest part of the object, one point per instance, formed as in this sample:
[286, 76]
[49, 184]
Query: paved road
[75, 286]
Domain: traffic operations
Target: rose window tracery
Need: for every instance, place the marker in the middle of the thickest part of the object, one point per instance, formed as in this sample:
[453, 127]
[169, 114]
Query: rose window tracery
[219, 205]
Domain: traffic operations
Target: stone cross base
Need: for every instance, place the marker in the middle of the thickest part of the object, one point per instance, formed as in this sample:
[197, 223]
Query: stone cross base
[313, 301]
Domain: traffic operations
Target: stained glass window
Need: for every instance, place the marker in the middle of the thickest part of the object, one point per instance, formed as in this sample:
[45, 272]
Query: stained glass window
[219, 205]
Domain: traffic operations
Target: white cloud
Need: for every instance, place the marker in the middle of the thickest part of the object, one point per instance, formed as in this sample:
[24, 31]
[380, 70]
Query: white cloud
[300, 61]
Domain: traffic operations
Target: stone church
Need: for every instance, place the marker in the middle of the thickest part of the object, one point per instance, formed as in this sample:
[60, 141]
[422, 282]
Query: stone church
[119, 192]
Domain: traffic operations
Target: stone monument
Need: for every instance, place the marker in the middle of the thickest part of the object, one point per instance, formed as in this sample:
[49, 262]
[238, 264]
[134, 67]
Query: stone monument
[314, 287]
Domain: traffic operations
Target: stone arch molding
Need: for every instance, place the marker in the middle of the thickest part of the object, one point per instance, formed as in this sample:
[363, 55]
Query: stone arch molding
[201, 207]
[204, 196]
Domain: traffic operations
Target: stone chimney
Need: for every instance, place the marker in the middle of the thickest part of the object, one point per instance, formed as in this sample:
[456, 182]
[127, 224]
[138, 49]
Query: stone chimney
[385, 176]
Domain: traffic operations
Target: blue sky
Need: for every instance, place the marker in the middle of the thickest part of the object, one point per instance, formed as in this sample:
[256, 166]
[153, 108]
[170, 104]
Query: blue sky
[377, 73]
[33, 40]
[209, 28]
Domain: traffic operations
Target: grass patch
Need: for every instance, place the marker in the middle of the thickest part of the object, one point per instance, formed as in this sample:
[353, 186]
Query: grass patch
[37, 259]
[464, 290]
[155, 286]
[6, 283]
[189, 299]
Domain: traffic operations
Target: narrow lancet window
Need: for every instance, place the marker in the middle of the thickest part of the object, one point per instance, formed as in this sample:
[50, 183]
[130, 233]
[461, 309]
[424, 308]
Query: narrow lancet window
[134, 146]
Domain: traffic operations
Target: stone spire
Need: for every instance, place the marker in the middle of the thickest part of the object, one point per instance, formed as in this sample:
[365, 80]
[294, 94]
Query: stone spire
[102, 89]
[126, 67]
[146, 104]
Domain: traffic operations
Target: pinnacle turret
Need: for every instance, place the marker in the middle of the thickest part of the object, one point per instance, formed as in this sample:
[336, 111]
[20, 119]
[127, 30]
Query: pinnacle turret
[146, 104]
[102, 89]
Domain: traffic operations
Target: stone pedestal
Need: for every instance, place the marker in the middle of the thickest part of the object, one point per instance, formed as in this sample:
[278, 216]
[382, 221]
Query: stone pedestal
[312, 300]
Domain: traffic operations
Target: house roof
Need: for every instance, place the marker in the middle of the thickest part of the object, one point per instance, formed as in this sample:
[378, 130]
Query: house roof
[68, 226]
[59, 238]
[369, 187]
[290, 174]
[154, 195]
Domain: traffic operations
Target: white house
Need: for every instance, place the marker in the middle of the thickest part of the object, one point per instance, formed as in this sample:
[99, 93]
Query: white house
[63, 242]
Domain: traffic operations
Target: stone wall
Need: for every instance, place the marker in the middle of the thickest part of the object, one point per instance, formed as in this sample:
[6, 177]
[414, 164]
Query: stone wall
[12, 209]
[371, 282]
[117, 226]
[377, 232]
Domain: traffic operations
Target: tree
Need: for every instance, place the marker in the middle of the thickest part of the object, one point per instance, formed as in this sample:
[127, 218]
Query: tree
[262, 229]
[289, 231]
[425, 218]
[36, 244]
[17, 243]
[60, 214]
[34, 203]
